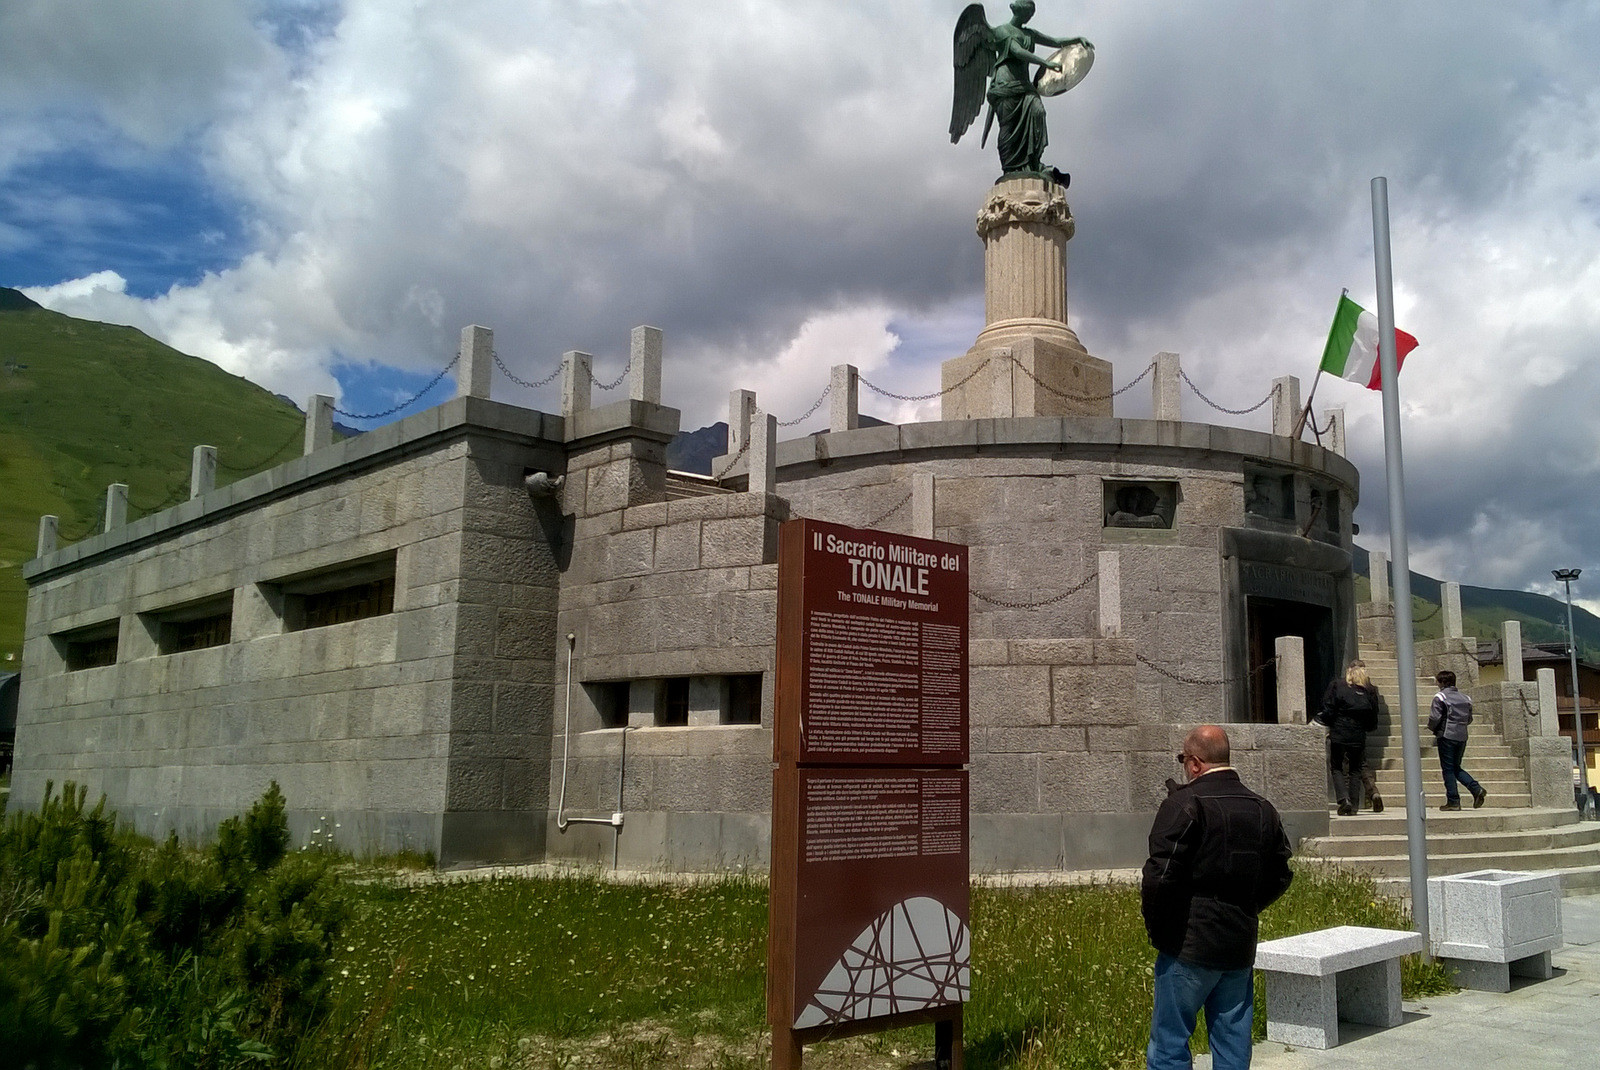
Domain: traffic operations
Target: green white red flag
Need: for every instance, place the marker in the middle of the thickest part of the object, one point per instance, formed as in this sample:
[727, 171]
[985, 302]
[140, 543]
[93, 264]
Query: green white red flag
[1352, 350]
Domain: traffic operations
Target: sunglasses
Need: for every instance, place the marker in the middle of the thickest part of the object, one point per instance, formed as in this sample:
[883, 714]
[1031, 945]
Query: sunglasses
[1186, 758]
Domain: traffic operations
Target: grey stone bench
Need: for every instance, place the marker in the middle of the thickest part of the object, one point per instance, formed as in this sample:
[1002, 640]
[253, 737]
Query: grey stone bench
[1315, 979]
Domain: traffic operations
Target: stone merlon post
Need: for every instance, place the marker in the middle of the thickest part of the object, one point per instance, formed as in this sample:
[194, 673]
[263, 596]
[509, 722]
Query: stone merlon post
[1285, 404]
[476, 366]
[1168, 399]
[1511, 648]
[1549, 723]
[1336, 437]
[844, 398]
[922, 504]
[763, 460]
[1378, 567]
[1450, 597]
[202, 471]
[49, 535]
[576, 381]
[1291, 651]
[644, 365]
[116, 505]
[1110, 594]
[319, 422]
[741, 410]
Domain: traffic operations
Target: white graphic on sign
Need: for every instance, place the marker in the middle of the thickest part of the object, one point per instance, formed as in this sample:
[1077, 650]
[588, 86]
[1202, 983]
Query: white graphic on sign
[916, 954]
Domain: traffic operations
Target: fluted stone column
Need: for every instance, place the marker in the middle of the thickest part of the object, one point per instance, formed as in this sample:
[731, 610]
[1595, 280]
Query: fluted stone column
[1025, 224]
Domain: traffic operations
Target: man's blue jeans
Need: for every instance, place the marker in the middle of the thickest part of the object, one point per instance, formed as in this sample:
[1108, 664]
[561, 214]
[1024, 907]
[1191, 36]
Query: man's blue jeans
[1181, 991]
[1450, 752]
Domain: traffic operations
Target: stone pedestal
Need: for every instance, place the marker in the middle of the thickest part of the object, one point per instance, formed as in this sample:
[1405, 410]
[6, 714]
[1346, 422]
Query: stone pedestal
[1493, 925]
[1026, 361]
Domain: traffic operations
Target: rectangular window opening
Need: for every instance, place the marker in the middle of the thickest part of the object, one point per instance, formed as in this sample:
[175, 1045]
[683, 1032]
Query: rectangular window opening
[744, 699]
[610, 698]
[675, 707]
[194, 627]
[89, 648]
[350, 592]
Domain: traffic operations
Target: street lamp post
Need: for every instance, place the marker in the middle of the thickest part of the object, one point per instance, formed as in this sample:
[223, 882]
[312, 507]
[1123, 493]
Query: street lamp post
[1566, 576]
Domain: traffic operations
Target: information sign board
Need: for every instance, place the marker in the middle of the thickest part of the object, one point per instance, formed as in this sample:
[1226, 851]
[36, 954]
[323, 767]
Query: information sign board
[876, 630]
[869, 892]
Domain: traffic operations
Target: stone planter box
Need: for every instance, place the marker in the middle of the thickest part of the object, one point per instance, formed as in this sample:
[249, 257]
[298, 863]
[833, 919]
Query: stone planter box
[1494, 924]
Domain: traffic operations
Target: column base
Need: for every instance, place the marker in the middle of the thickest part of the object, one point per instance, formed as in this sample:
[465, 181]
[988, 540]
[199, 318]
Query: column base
[1025, 368]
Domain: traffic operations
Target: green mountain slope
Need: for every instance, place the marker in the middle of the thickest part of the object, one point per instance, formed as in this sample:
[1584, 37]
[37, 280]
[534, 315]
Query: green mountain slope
[1484, 609]
[84, 405]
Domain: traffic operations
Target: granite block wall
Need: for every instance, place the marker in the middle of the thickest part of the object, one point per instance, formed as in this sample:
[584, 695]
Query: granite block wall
[422, 728]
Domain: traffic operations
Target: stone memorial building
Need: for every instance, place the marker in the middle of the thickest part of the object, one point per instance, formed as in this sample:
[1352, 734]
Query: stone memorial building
[500, 634]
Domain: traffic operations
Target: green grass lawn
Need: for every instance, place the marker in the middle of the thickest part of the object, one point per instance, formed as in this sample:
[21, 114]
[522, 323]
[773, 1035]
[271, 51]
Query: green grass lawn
[577, 971]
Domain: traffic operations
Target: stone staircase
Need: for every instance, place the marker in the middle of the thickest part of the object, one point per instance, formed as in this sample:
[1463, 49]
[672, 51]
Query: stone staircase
[1487, 758]
[1507, 833]
[681, 485]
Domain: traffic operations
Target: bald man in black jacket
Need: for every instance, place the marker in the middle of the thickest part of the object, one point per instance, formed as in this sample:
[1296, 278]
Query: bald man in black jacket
[1218, 857]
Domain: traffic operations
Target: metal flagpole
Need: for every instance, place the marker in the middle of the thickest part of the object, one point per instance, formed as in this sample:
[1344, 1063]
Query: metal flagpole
[1299, 425]
[1305, 413]
[1405, 654]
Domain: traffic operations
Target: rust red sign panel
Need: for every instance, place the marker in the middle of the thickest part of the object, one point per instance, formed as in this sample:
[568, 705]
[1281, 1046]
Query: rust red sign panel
[882, 911]
[875, 626]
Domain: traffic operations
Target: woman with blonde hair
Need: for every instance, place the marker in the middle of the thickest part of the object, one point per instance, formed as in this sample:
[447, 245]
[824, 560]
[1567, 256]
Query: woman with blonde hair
[1350, 710]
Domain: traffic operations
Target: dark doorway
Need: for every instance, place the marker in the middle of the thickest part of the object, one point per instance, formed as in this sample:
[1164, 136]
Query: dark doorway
[1270, 618]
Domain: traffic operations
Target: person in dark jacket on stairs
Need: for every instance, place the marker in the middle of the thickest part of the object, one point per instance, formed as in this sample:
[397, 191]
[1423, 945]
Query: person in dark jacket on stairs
[1350, 710]
[1218, 858]
[1448, 718]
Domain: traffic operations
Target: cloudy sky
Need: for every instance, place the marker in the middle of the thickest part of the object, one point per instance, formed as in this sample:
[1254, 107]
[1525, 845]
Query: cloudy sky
[319, 195]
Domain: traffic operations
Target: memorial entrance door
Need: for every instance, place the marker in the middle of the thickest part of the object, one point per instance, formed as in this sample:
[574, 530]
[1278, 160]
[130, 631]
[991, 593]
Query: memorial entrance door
[1266, 620]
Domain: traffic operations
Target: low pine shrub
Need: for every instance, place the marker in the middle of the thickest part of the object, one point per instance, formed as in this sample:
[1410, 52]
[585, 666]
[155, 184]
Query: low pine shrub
[116, 952]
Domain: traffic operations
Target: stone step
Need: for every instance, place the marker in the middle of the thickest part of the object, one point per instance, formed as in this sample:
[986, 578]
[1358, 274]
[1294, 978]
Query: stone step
[1488, 756]
[681, 485]
[1392, 822]
[1575, 880]
[1442, 864]
[1453, 842]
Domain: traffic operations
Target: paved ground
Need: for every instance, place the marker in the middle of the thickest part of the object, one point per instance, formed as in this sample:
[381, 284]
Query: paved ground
[1554, 1023]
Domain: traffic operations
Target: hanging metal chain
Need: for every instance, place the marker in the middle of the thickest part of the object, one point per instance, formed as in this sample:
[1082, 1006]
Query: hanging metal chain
[1052, 600]
[613, 384]
[1221, 408]
[899, 505]
[1311, 418]
[925, 397]
[744, 447]
[298, 432]
[814, 407]
[523, 382]
[407, 402]
[179, 492]
[1085, 397]
[1195, 680]
[94, 527]
[1430, 616]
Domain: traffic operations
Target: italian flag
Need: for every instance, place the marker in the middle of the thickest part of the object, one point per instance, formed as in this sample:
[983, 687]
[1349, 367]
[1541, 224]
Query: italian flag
[1352, 351]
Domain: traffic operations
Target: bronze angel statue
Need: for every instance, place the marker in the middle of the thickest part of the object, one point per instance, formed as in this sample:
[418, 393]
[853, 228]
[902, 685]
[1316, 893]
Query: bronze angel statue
[999, 57]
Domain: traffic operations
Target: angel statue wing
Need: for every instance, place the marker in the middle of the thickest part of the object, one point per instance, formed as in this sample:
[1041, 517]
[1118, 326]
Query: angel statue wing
[974, 57]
